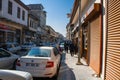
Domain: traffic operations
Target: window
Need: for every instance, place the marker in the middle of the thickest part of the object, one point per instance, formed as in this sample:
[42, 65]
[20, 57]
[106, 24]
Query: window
[0, 4]
[4, 54]
[39, 52]
[56, 52]
[18, 12]
[10, 7]
[23, 15]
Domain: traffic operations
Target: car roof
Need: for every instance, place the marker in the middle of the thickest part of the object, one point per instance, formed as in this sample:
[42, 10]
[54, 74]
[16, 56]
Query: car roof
[14, 73]
[44, 47]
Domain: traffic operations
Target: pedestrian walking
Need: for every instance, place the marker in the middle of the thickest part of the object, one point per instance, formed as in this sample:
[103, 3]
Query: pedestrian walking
[66, 46]
[72, 49]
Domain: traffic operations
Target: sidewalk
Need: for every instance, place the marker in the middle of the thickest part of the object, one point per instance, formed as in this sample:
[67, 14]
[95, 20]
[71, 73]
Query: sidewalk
[70, 71]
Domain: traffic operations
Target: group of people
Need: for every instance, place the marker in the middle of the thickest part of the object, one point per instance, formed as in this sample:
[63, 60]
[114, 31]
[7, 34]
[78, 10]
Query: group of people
[70, 46]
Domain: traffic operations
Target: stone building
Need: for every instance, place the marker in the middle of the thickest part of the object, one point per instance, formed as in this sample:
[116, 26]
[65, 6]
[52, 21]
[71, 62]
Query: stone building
[38, 10]
[13, 17]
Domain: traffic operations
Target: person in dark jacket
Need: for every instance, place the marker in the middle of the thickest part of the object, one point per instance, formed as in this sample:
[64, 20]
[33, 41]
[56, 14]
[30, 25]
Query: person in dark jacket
[72, 49]
[66, 47]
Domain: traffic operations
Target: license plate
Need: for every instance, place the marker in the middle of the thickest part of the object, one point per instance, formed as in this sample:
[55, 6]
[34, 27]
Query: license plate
[32, 64]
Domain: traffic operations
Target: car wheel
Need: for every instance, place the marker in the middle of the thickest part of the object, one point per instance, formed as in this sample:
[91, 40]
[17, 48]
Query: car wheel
[14, 65]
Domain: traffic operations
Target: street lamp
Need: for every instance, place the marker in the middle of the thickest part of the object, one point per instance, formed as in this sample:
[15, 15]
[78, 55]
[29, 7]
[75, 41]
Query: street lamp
[79, 18]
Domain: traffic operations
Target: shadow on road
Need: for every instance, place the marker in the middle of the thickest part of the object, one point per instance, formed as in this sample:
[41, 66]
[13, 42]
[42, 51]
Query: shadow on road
[65, 72]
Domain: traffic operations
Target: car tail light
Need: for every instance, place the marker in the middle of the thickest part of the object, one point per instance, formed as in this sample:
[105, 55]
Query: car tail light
[18, 63]
[49, 64]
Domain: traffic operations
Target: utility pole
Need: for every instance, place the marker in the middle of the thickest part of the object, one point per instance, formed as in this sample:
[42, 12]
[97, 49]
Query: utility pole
[79, 18]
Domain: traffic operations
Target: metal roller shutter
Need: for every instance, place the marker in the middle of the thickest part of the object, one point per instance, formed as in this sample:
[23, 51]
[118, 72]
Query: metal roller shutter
[95, 37]
[113, 40]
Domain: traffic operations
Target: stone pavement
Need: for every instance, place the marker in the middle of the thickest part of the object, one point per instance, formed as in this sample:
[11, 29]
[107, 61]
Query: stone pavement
[70, 71]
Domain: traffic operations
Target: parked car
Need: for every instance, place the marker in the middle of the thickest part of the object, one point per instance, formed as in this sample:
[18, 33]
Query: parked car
[7, 59]
[40, 62]
[14, 75]
[17, 47]
[12, 47]
[28, 45]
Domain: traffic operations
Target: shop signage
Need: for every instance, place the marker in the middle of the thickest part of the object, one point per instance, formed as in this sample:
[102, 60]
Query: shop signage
[2, 26]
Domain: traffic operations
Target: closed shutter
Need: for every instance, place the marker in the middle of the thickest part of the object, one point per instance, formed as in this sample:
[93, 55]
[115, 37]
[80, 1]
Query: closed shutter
[113, 40]
[95, 37]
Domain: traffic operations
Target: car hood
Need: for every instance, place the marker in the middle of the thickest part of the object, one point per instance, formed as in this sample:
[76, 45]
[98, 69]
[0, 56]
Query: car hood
[14, 75]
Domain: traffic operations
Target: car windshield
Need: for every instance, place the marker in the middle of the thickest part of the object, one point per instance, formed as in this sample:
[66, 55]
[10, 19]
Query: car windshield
[39, 52]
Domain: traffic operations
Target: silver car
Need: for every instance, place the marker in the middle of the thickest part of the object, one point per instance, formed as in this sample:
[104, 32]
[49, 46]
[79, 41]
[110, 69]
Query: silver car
[7, 59]
[14, 75]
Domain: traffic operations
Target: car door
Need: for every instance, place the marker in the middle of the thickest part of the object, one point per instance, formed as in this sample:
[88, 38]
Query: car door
[4, 59]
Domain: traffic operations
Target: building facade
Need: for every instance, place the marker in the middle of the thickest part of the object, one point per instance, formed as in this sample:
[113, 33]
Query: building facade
[30, 33]
[89, 32]
[38, 9]
[69, 34]
[99, 35]
[13, 17]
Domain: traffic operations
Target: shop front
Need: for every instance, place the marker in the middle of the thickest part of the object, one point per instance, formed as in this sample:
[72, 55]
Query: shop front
[6, 34]
[91, 37]
[10, 31]
[29, 36]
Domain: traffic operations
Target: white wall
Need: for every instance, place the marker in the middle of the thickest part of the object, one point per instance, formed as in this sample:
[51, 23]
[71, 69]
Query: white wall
[13, 17]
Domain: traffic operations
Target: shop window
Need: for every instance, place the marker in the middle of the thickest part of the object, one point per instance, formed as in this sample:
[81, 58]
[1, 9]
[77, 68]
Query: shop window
[2, 36]
[85, 39]
[23, 15]
[10, 37]
[0, 5]
[10, 7]
[18, 12]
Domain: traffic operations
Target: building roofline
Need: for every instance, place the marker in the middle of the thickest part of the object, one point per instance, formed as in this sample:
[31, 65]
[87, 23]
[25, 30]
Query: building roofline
[75, 7]
[22, 4]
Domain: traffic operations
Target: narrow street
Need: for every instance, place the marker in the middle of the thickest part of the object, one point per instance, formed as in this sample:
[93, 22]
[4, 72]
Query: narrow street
[33, 33]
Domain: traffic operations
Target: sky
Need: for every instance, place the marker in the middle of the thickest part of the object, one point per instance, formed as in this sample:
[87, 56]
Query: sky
[56, 12]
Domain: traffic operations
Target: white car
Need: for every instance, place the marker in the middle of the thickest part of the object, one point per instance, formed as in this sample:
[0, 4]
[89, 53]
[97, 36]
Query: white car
[40, 62]
[7, 59]
[14, 75]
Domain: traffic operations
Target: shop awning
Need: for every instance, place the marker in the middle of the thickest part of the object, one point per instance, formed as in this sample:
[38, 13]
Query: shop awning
[93, 9]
